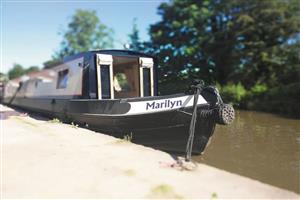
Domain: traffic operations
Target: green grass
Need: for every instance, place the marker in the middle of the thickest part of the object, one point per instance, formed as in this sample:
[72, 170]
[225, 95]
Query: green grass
[164, 191]
[128, 137]
[21, 119]
[74, 125]
[129, 172]
[214, 196]
[54, 120]
[125, 140]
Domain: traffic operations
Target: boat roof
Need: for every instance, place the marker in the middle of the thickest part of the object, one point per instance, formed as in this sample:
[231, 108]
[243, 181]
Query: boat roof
[113, 52]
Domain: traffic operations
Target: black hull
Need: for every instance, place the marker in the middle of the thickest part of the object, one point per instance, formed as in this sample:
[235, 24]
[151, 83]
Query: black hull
[167, 130]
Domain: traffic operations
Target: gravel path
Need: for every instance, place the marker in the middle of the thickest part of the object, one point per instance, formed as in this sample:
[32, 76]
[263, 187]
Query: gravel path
[43, 158]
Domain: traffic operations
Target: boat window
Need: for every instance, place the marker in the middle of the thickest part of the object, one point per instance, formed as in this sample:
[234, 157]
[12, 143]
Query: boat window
[105, 81]
[147, 82]
[62, 79]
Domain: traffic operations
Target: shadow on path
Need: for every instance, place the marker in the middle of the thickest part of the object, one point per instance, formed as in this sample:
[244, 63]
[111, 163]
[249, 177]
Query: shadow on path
[7, 112]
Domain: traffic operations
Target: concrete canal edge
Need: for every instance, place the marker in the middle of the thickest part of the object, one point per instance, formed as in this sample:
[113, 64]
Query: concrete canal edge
[43, 158]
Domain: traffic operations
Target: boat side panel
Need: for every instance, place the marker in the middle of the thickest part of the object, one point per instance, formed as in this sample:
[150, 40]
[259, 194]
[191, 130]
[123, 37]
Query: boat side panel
[165, 130]
[66, 105]
[46, 106]
[107, 107]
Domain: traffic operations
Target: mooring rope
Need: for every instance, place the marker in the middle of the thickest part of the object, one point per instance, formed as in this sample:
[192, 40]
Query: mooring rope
[189, 146]
[15, 94]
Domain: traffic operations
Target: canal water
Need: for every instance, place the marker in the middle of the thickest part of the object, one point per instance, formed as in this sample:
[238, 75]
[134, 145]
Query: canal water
[261, 146]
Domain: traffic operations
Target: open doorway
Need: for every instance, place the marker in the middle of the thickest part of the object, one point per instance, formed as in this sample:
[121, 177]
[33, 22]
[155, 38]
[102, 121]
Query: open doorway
[126, 77]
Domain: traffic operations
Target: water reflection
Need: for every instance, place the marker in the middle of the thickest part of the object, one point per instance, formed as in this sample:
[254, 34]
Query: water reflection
[258, 145]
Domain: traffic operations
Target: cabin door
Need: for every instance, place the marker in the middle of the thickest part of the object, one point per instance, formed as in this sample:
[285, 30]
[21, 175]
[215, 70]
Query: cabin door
[146, 77]
[105, 76]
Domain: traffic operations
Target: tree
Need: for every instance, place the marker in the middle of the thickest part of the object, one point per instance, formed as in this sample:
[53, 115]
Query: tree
[262, 32]
[227, 41]
[32, 69]
[134, 38]
[3, 77]
[51, 63]
[85, 32]
[16, 71]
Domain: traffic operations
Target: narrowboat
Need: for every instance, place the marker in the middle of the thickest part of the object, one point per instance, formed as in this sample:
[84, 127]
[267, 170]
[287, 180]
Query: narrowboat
[116, 92]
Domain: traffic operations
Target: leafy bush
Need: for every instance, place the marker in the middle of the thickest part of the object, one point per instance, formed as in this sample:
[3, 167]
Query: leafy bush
[232, 93]
[283, 99]
[258, 89]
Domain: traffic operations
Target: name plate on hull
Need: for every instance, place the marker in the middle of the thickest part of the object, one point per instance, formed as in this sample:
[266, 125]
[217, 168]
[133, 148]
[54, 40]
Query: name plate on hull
[163, 104]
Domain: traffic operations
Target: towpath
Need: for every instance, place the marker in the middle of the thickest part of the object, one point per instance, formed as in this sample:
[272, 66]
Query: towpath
[42, 158]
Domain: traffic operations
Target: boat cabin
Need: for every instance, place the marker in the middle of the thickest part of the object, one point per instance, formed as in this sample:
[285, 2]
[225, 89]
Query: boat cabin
[122, 76]
[102, 74]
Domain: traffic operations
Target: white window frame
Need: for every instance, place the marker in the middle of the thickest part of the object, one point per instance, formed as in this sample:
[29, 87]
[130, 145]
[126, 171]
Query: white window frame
[146, 63]
[104, 59]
